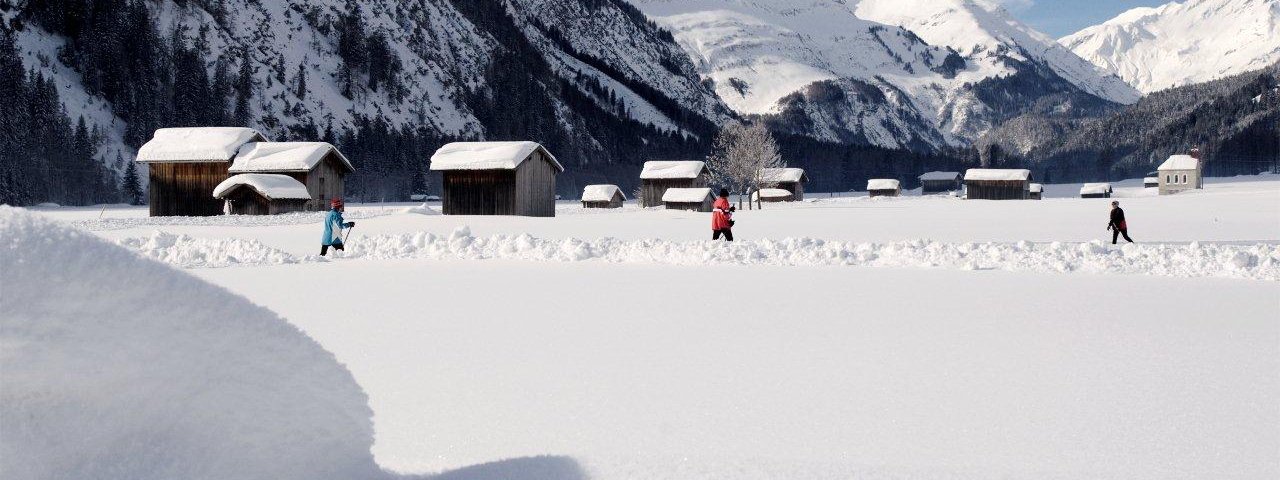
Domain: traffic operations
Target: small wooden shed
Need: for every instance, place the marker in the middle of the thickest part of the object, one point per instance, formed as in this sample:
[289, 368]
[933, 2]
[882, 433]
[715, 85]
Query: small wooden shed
[317, 165]
[788, 178]
[997, 184]
[1151, 182]
[262, 194]
[497, 178]
[602, 196]
[695, 199]
[659, 175]
[884, 187]
[1035, 191]
[1179, 173]
[940, 182]
[185, 164]
[773, 195]
[1095, 190]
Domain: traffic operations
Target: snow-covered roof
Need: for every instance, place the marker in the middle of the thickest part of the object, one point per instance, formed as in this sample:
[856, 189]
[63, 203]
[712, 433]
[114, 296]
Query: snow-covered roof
[773, 193]
[784, 175]
[667, 169]
[196, 144]
[882, 184]
[686, 195]
[1035, 188]
[271, 185]
[600, 193]
[1095, 188]
[940, 176]
[1151, 180]
[487, 156]
[1180, 162]
[283, 157]
[997, 174]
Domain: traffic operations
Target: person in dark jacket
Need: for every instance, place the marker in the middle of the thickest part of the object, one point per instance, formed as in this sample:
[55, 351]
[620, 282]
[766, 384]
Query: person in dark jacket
[722, 217]
[1118, 226]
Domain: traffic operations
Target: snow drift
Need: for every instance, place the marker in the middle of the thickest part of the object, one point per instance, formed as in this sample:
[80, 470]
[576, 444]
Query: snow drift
[1256, 262]
[119, 367]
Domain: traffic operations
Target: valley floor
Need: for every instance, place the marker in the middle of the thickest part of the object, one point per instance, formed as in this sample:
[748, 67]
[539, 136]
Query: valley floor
[654, 356]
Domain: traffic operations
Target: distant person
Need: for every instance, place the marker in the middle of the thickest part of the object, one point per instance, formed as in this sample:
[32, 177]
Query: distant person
[1118, 226]
[722, 217]
[333, 225]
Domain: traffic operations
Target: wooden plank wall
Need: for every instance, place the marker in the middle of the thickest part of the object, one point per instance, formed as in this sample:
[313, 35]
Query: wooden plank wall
[706, 205]
[479, 192]
[939, 186]
[796, 189]
[325, 182]
[997, 190]
[185, 189]
[535, 194]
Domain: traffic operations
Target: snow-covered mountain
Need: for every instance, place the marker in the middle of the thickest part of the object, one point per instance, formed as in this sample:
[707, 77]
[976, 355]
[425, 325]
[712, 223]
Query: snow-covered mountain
[886, 72]
[1182, 43]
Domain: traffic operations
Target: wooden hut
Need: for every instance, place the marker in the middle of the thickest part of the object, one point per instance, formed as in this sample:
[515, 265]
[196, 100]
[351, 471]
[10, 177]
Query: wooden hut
[497, 178]
[1151, 182]
[660, 175]
[602, 196]
[790, 179]
[997, 184]
[883, 187]
[317, 165]
[186, 164]
[1181, 172]
[1035, 191]
[1095, 190]
[695, 199]
[940, 182]
[262, 194]
[773, 195]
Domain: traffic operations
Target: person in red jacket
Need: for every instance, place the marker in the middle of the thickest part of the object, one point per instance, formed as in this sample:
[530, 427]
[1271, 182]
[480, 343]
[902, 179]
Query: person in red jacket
[722, 217]
[1117, 225]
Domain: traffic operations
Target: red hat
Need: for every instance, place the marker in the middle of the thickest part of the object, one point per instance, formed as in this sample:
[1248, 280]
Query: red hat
[335, 203]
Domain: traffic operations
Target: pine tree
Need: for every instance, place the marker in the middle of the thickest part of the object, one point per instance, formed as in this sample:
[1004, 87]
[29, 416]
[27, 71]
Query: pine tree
[302, 81]
[132, 185]
[243, 91]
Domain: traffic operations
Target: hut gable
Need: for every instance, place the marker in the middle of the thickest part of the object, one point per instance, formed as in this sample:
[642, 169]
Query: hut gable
[673, 169]
[488, 156]
[286, 157]
[196, 144]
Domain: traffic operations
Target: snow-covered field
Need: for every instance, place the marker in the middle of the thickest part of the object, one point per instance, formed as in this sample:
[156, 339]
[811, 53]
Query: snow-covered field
[844, 337]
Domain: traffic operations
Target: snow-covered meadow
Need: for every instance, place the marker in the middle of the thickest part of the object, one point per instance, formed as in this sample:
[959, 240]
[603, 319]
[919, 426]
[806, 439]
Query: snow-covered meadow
[843, 337]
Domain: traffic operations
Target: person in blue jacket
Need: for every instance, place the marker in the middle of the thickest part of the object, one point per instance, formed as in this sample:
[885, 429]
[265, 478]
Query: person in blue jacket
[333, 225]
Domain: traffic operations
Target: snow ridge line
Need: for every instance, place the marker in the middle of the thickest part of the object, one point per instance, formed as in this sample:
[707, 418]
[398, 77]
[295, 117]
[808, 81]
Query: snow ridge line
[1256, 262]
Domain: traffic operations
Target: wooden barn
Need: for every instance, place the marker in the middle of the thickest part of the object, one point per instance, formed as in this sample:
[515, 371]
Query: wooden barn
[695, 199]
[497, 178]
[660, 175]
[883, 187]
[262, 194]
[997, 184]
[1095, 190]
[940, 182]
[1181, 172]
[1151, 182]
[602, 196]
[789, 179]
[186, 164]
[1035, 191]
[317, 165]
[773, 195]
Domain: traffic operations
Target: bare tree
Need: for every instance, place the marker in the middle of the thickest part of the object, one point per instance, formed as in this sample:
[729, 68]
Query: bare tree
[740, 155]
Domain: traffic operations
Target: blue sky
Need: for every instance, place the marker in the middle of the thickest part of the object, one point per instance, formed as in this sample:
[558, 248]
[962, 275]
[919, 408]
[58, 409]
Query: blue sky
[1064, 17]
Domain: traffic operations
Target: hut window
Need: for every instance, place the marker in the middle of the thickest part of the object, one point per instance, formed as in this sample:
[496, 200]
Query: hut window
[1167, 180]
[1184, 178]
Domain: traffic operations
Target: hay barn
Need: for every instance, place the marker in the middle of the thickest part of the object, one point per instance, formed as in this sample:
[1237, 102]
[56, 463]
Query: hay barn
[602, 196]
[262, 194]
[659, 175]
[884, 187]
[997, 184]
[940, 182]
[317, 165]
[185, 164]
[695, 199]
[497, 178]
[1095, 190]
[789, 179]
[1035, 191]
[773, 195]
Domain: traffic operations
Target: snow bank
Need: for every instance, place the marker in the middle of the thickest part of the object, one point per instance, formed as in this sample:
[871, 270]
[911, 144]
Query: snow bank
[486, 155]
[205, 252]
[686, 195]
[196, 144]
[292, 218]
[272, 186]
[600, 193]
[1256, 262]
[668, 169]
[119, 367]
[283, 157]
